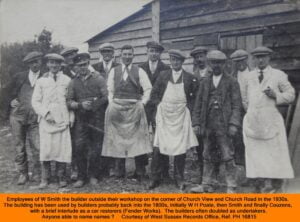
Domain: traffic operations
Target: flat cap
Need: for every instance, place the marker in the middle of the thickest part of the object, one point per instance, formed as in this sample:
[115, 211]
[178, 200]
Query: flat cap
[156, 45]
[54, 56]
[199, 49]
[106, 46]
[261, 50]
[32, 56]
[68, 50]
[216, 55]
[176, 53]
[81, 58]
[239, 54]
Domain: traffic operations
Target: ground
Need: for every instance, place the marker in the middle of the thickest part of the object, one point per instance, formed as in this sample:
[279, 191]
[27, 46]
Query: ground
[8, 177]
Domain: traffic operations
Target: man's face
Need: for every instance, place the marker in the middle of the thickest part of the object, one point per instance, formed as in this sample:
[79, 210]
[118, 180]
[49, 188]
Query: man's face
[35, 65]
[176, 63]
[200, 59]
[261, 61]
[54, 66]
[153, 54]
[217, 66]
[69, 57]
[241, 65]
[107, 55]
[83, 69]
[127, 56]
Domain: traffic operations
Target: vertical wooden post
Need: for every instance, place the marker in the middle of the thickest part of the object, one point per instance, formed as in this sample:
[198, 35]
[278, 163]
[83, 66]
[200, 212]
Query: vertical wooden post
[155, 20]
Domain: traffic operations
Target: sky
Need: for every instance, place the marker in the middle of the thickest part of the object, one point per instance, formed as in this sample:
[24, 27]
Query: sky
[71, 22]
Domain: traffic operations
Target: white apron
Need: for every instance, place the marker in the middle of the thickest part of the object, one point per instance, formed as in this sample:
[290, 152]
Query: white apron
[266, 148]
[126, 129]
[174, 133]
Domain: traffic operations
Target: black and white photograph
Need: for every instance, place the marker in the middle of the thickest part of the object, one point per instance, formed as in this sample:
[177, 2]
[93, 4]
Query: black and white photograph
[149, 96]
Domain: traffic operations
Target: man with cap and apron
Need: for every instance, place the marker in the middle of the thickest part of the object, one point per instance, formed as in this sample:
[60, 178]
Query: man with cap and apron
[55, 120]
[23, 119]
[153, 67]
[241, 72]
[87, 96]
[217, 117]
[126, 128]
[200, 71]
[173, 96]
[105, 66]
[267, 152]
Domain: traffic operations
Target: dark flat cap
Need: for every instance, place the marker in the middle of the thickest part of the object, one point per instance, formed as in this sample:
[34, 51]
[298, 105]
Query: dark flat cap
[81, 58]
[107, 47]
[54, 56]
[199, 49]
[156, 45]
[216, 55]
[177, 53]
[239, 54]
[68, 50]
[261, 50]
[32, 56]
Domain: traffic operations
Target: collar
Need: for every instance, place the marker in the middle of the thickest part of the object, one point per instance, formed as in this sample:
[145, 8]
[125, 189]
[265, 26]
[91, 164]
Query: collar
[87, 76]
[155, 63]
[107, 65]
[123, 67]
[176, 72]
[217, 77]
[265, 70]
[57, 74]
[36, 74]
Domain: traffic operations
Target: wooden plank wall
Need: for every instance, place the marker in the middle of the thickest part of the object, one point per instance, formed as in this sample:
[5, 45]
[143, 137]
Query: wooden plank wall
[186, 24]
[137, 32]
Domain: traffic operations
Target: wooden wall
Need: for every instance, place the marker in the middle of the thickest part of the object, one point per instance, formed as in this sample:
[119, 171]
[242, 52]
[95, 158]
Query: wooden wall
[137, 31]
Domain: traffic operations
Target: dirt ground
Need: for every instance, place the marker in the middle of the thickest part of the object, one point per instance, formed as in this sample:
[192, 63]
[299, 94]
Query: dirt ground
[8, 177]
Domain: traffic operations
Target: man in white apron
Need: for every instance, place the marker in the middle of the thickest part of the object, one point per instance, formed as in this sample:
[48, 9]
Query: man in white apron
[49, 102]
[173, 94]
[267, 153]
[126, 129]
[217, 117]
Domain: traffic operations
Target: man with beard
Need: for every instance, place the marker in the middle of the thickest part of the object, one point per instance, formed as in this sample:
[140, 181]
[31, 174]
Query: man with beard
[153, 67]
[104, 67]
[55, 120]
[173, 97]
[217, 117]
[126, 128]
[23, 119]
[87, 96]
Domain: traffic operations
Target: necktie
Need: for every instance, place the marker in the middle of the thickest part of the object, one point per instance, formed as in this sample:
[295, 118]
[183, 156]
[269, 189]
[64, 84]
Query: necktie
[126, 73]
[152, 67]
[54, 76]
[106, 67]
[261, 76]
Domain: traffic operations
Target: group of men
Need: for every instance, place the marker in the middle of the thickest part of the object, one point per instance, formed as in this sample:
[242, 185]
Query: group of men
[96, 116]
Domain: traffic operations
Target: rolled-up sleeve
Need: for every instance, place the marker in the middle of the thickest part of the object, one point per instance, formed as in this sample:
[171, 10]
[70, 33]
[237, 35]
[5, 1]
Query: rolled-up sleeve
[146, 85]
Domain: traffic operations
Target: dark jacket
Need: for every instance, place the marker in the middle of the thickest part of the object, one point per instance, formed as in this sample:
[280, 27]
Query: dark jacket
[99, 67]
[231, 102]
[160, 67]
[190, 88]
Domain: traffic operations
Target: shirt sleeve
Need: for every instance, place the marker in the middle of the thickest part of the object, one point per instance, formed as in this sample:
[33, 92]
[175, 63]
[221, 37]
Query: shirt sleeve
[37, 98]
[286, 92]
[110, 85]
[146, 85]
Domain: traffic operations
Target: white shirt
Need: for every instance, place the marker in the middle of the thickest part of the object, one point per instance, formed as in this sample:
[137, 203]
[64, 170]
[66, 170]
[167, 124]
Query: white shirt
[176, 74]
[33, 77]
[202, 72]
[144, 82]
[216, 80]
[107, 66]
[153, 66]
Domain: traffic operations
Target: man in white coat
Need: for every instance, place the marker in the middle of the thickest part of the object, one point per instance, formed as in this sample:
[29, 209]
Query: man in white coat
[267, 153]
[49, 102]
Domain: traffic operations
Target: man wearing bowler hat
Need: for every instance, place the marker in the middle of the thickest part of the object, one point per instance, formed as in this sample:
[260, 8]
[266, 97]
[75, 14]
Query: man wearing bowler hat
[55, 120]
[266, 147]
[23, 119]
[173, 97]
[153, 67]
[104, 67]
[217, 117]
[87, 96]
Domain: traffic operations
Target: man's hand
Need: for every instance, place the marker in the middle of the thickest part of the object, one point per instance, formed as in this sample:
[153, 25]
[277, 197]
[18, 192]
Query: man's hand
[197, 130]
[49, 118]
[270, 93]
[14, 103]
[87, 105]
[232, 130]
[71, 124]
